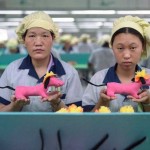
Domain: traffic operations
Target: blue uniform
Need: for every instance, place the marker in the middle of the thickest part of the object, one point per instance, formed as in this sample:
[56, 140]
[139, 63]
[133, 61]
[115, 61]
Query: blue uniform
[22, 72]
[92, 93]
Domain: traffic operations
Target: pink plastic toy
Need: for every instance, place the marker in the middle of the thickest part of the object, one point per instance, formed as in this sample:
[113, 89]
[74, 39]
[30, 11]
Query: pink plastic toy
[129, 89]
[50, 79]
[141, 78]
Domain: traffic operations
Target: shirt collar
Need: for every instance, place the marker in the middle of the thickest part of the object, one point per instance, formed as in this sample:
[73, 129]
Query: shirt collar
[51, 63]
[55, 66]
[111, 75]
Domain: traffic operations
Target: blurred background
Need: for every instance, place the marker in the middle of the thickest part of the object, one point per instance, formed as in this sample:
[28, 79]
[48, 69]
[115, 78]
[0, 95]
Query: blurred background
[94, 17]
[82, 26]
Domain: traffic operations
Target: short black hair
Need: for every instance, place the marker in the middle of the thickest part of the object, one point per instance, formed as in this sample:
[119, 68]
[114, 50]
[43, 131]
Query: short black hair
[128, 30]
[106, 44]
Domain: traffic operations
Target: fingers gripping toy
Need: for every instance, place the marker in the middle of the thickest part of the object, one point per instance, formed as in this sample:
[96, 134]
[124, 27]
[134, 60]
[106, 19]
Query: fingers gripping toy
[50, 79]
[141, 78]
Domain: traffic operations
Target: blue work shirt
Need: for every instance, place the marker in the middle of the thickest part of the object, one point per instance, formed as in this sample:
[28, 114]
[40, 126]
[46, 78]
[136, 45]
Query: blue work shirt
[22, 73]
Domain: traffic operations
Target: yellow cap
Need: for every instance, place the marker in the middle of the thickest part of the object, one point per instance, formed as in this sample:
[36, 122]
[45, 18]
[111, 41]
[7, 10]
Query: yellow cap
[36, 19]
[84, 37]
[66, 38]
[12, 44]
[74, 40]
[142, 26]
[103, 39]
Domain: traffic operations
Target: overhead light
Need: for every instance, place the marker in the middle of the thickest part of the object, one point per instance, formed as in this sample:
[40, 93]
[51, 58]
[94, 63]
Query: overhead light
[49, 12]
[88, 27]
[14, 19]
[3, 34]
[73, 30]
[7, 24]
[29, 12]
[66, 26]
[90, 19]
[111, 19]
[63, 19]
[57, 12]
[80, 12]
[108, 24]
[11, 12]
[139, 12]
[91, 12]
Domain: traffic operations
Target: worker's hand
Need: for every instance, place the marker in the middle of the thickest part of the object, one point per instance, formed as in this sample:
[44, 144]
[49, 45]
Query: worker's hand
[17, 104]
[53, 97]
[144, 97]
[104, 97]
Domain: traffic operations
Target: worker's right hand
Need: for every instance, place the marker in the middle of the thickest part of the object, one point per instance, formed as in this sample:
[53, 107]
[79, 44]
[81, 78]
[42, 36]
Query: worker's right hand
[18, 103]
[104, 97]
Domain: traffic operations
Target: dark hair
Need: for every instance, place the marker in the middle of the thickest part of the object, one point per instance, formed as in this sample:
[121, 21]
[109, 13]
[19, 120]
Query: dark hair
[24, 35]
[106, 44]
[128, 30]
[52, 34]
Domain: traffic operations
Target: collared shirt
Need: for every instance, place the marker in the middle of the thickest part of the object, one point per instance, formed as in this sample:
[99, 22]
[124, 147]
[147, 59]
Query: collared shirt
[51, 63]
[92, 93]
[22, 72]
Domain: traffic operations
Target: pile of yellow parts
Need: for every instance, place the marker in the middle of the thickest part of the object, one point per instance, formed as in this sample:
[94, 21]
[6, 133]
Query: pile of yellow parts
[126, 109]
[71, 109]
[103, 109]
[123, 109]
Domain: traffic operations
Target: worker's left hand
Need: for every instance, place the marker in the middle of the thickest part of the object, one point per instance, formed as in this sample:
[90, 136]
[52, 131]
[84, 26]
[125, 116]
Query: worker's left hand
[144, 97]
[53, 96]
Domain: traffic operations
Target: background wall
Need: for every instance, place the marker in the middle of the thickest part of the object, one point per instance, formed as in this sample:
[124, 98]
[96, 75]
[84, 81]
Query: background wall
[66, 13]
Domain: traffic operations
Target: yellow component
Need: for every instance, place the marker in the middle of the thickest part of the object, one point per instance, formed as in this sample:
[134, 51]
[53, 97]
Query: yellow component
[71, 109]
[103, 109]
[48, 74]
[74, 108]
[63, 110]
[141, 74]
[127, 109]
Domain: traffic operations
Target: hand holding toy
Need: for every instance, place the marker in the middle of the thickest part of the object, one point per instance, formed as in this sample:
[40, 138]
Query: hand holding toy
[23, 92]
[141, 78]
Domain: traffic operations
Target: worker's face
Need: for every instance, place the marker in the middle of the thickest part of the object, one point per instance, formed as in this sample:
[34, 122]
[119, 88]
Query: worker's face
[127, 49]
[38, 42]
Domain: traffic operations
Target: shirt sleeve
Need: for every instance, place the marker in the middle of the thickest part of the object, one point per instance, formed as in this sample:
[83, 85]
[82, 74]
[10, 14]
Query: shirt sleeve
[92, 93]
[5, 94]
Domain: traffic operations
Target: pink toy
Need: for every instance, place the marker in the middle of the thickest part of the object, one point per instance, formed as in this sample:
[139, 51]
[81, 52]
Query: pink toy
[50, 79]
[120, 88]
[132, 89]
